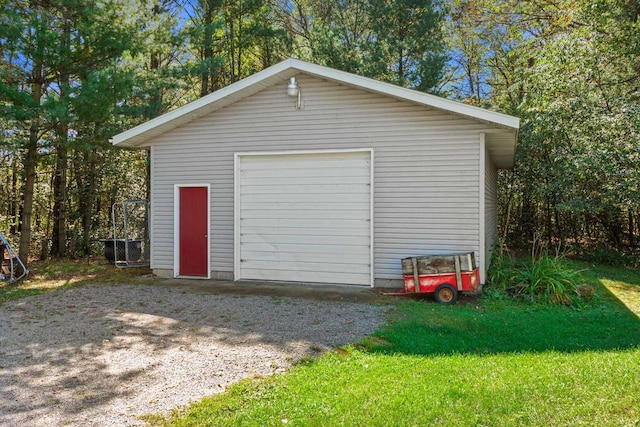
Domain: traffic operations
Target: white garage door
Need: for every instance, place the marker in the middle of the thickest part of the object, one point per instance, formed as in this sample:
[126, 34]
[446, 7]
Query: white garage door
[304, 217]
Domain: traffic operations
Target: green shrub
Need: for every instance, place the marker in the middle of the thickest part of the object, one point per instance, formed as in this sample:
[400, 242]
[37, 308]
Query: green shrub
[541, 278]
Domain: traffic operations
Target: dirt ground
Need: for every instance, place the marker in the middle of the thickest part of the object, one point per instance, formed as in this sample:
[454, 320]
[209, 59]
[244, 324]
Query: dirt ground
[106, 354]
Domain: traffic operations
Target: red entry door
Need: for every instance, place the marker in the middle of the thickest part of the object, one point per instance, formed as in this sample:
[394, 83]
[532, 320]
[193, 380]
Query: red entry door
[194, 230]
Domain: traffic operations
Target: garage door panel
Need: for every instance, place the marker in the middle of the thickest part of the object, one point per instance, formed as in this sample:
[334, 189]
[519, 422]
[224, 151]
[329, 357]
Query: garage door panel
[300, 163]
[304, 257]
[264, 199]
[330, 180]
[251, 228]
[302, 172]
[306, 240]
[291, 249]
[300, 189]
[301, 276]
[305, 217]
[328, 205]
[307, 267]
[329, 225]
[313, 214]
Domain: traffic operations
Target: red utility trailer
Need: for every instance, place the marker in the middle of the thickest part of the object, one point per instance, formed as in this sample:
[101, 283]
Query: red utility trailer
[445, 276]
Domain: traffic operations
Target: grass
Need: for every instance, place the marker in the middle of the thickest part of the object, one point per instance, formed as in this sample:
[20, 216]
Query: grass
[490, 362]
[50, 275]
[623, 284]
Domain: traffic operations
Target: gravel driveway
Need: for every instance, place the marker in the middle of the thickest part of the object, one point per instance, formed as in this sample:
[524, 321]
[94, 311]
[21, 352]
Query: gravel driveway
[104, 355]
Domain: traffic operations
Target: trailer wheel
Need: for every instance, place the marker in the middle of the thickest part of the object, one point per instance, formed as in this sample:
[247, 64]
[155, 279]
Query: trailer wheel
[446, 294]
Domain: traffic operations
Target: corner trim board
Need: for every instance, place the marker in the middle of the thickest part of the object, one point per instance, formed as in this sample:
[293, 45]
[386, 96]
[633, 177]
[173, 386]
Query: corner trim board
[482, 223]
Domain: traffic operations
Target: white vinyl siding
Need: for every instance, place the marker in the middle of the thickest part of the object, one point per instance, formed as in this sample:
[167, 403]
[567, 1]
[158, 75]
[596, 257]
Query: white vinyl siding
[426, 166]
[304, 217]
[490, 208]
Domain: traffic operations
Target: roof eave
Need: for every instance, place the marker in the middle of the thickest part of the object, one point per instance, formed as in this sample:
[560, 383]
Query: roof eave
[135, 136]
[426, 99]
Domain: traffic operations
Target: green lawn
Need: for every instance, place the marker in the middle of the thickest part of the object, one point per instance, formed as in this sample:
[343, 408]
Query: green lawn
[489, 362]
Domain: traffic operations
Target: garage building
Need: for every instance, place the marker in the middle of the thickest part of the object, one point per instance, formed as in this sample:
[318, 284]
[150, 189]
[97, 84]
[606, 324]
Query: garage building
[309, 174]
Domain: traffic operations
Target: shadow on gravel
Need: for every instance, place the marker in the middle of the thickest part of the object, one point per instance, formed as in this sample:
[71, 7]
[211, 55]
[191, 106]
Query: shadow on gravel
[66, 357]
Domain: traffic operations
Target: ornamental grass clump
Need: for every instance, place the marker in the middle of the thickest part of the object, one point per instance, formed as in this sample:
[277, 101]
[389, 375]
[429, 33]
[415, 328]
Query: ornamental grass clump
[546, 279]
[541, 278]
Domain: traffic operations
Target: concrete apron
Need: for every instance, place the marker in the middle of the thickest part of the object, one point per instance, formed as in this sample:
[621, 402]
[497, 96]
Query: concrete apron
[324, 292]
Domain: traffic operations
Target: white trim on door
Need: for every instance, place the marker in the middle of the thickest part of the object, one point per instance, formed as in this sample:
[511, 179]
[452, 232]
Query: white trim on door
[293, 152]
[176, 230]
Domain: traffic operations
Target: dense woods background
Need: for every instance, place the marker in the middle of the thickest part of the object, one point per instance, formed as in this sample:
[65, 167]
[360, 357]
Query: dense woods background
[74, 73]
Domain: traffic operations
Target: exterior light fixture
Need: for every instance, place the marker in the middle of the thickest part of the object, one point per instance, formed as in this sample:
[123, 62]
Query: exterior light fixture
[294, 91]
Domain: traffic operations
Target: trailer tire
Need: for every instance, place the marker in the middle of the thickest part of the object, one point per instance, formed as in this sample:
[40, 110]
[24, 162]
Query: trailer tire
[446, 294]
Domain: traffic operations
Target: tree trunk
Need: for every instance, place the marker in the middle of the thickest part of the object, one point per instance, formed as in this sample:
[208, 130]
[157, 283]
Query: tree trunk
[88, 200]
[240, 42]
[549, 231]
[147, 237]
[30, 162]
[528, 222]
[505, 229]
[207, 49]
[574, 230]
[232, 48]
[7, 187]
[400, 70]
[13, 204]
[559, 233]
[632, 240]
[59, 232]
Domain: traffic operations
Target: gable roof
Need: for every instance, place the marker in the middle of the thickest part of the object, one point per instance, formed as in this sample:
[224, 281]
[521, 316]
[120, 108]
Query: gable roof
[140, 134]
